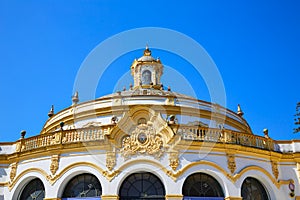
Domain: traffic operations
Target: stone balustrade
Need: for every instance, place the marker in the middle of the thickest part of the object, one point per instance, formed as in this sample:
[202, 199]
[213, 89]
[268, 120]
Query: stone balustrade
[227, 136]
[192, 133]
[63, 137]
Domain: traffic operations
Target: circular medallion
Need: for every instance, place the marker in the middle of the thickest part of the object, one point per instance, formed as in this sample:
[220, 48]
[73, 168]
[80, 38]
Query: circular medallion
[142, 137]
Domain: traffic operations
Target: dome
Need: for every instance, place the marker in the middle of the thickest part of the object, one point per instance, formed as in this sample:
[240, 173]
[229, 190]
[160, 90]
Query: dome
[187, 110]
[146, 59]
[105, 148]
[147, 56]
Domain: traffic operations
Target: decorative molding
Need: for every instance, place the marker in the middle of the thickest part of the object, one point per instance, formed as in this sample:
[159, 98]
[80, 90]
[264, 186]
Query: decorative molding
[298, 171]
[174, 197]
[18, 146]
[13, 171]
[109, 197]
[174, 175]
[56, 138]
[231, 163]
[177, 174]
[52, 179]
[143, 140]
[52, 198]
[110, 175]
[110, 160]
[54, 164]
[233, 198]
[91, 124]
[17, 178]
[4, 184]
[173, 160]
[275, 169]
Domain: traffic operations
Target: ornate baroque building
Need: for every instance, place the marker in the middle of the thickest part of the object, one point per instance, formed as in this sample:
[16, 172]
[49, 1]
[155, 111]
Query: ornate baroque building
[148, 143]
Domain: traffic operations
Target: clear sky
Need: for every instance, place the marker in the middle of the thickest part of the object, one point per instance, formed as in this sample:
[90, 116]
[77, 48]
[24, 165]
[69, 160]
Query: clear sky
[254, 44]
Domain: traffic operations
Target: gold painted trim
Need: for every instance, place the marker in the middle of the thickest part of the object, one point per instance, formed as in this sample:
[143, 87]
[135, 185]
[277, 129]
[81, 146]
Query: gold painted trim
[174, 175]
[106, 174]
[256, 168]
[170, 173]
[16, 179]
[174, 197]
[109, 197]
[4, 184]
[53, 179]
[233, 198]
[177, 174]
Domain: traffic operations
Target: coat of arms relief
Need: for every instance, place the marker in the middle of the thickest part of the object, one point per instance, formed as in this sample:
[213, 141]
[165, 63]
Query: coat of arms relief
[142, 140]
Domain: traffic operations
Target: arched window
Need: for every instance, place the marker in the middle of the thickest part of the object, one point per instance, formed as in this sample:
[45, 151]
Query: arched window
[252, 189]
[83, 185]
[146, 77]
[142, 186]
[34, 190]
[202, 185]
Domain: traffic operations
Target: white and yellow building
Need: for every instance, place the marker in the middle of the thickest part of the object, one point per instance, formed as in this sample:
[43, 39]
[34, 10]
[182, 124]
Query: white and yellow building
[148, 143]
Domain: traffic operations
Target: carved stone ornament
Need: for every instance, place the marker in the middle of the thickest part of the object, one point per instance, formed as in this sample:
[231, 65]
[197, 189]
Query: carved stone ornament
[143, 140]
[173, 160]
[231, 163]
[13, 171]
[54, 164]
[110, 160]
[275, 169]
[18, 146]
[56, 138]
[91, 124]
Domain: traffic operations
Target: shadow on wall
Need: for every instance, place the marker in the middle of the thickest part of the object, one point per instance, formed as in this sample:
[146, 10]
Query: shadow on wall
[2, 173]
[1, 197]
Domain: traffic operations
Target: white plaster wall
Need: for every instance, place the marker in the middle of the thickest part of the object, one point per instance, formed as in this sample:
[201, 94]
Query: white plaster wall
[7, 149]
[143, 163]
[292, 147]
[4, 173]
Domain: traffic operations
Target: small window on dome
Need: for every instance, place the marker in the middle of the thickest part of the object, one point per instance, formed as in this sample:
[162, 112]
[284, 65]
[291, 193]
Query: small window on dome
[142, 121]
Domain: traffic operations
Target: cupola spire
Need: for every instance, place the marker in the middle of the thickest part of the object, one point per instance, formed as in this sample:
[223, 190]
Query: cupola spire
[147, 71]
[147, 51]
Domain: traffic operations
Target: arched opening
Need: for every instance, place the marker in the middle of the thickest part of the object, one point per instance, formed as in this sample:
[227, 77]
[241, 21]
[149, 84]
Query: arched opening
[252, 189]
[201, 186]
[34, 190]
[142, 185]
[83, 186]
[146, 77]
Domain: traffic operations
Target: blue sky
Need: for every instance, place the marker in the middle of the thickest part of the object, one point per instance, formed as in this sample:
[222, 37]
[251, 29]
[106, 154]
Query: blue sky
[255, 45]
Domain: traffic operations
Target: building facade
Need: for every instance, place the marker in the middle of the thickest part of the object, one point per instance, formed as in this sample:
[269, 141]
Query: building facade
[148, 142]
